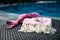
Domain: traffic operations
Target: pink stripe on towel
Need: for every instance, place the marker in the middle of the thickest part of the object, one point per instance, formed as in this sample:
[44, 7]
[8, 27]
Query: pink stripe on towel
[38, 20]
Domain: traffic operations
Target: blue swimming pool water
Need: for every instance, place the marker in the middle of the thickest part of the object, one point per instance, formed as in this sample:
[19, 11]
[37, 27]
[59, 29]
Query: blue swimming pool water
[46, 9]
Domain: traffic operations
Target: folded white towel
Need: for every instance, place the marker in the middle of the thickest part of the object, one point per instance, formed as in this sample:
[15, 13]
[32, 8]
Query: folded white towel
[38, 25]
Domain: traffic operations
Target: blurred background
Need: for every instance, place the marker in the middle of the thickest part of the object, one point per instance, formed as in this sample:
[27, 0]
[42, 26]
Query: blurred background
[22, 1]
[13, 8]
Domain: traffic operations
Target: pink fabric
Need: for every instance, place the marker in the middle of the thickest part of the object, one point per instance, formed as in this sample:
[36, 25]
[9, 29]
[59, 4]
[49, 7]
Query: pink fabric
[38, 20]
[12, 23]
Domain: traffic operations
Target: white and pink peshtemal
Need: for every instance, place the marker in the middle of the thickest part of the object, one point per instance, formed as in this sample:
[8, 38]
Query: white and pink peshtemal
[38, 25]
